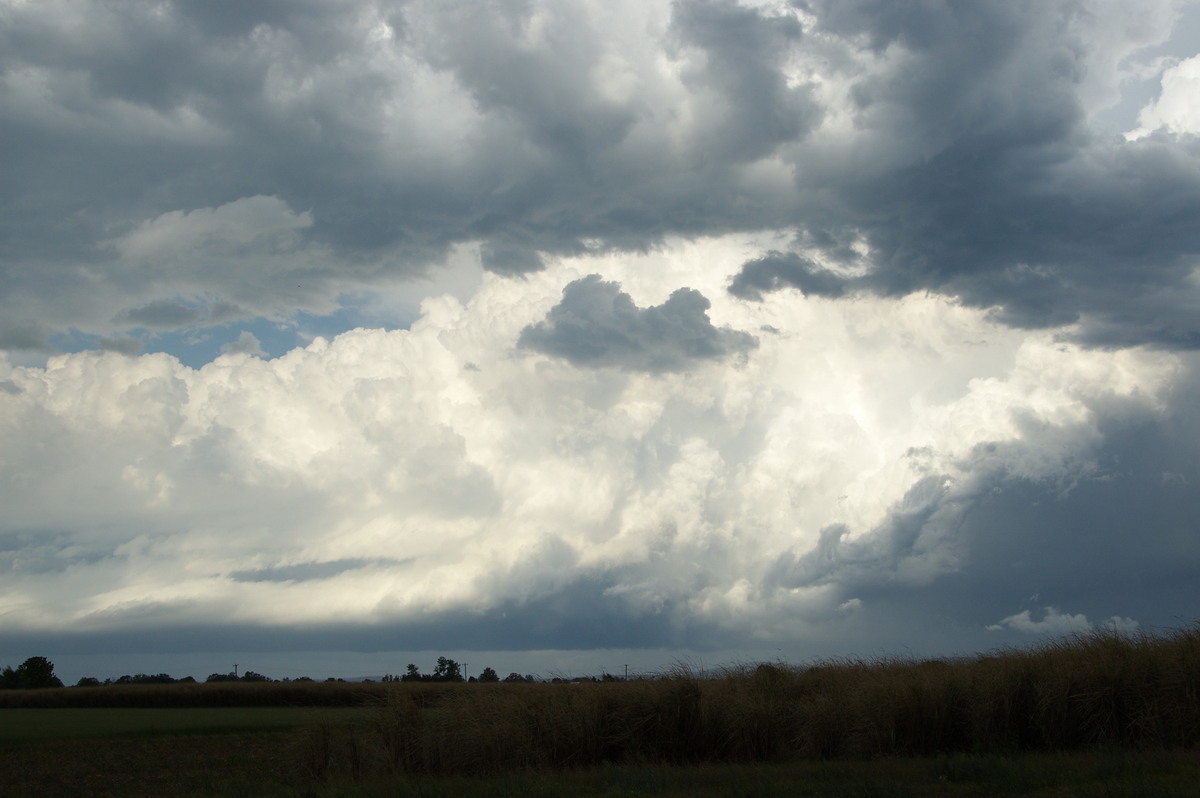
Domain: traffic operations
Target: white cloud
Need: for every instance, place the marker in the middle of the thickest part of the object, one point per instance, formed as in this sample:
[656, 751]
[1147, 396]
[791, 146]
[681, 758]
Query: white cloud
[1176, 109]
[1058, 623]
[246, 344]
[464, 474]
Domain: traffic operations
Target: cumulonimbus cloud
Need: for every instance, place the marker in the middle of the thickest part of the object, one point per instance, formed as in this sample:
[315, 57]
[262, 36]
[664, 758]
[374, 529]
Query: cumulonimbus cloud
[400, 477]
[881, 313]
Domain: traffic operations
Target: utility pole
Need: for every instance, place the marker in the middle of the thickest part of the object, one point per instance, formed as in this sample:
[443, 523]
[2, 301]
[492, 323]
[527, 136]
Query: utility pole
[235, 670]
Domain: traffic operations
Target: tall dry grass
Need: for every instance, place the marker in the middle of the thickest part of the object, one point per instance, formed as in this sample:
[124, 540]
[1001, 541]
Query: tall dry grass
[1101, 689]
[1098, 689]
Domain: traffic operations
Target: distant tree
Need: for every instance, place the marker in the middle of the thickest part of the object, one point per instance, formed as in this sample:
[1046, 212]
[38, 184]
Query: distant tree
[447, 670]
[411, 674]
[251, 676]
[221, 677]
[146, 678]
[516, 677]
[88, 681]
[489, 675]
[8, 679]
[37, 672]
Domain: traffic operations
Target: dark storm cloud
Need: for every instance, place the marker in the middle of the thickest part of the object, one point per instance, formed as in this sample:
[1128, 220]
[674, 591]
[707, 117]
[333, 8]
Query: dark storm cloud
[133, 111]
[1123, 540]
[972, 170]
[43, 551]
[22, 334]
[977, 176]
[582, 620]
[230, 17]
[785, 269]
[1118, 538]
[162, 314]
[863, 561]
[598, 325]
[510, 260]
[743, 52]
[169, 108]
[125, 346]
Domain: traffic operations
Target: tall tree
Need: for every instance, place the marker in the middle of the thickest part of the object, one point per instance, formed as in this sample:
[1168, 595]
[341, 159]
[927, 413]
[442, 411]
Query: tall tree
[447, 670]
[37, 672]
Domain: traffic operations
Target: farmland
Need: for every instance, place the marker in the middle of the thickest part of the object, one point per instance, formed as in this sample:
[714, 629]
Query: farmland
[1102, 714]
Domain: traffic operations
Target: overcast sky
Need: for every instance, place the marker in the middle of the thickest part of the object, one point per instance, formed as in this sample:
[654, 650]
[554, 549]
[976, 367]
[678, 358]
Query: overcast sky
[568, 334]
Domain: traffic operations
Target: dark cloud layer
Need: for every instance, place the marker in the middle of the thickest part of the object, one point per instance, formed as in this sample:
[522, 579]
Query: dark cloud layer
[982, 179]
[403, 129]
[162, 313]
[778, 270]
[190, 108]
[743, 50]
[598, 325]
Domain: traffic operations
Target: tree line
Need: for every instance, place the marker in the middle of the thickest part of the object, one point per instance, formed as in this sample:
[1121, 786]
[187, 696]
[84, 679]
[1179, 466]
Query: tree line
[447, 670]
[38, 672]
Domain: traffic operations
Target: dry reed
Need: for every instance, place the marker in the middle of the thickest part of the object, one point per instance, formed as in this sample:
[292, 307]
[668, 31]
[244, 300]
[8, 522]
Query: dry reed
[1095, 690]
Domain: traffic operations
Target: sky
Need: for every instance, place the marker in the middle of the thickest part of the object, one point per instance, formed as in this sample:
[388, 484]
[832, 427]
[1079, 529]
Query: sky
[560, 336]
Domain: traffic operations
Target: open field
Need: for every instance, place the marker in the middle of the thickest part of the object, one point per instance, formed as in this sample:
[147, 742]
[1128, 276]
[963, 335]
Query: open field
[268, 765]
[213, 694]
[1102, 715]
[58, 724]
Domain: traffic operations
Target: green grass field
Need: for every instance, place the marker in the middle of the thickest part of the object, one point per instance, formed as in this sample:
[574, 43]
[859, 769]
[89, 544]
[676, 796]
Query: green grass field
[270, 764]
[51, 724]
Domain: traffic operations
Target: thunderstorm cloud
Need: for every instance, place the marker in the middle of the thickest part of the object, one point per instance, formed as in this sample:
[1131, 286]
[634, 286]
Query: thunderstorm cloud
[731, 327]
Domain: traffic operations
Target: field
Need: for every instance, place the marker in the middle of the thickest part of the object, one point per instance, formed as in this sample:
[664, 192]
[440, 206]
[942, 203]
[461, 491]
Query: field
[1100, 715]
[57, 724]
